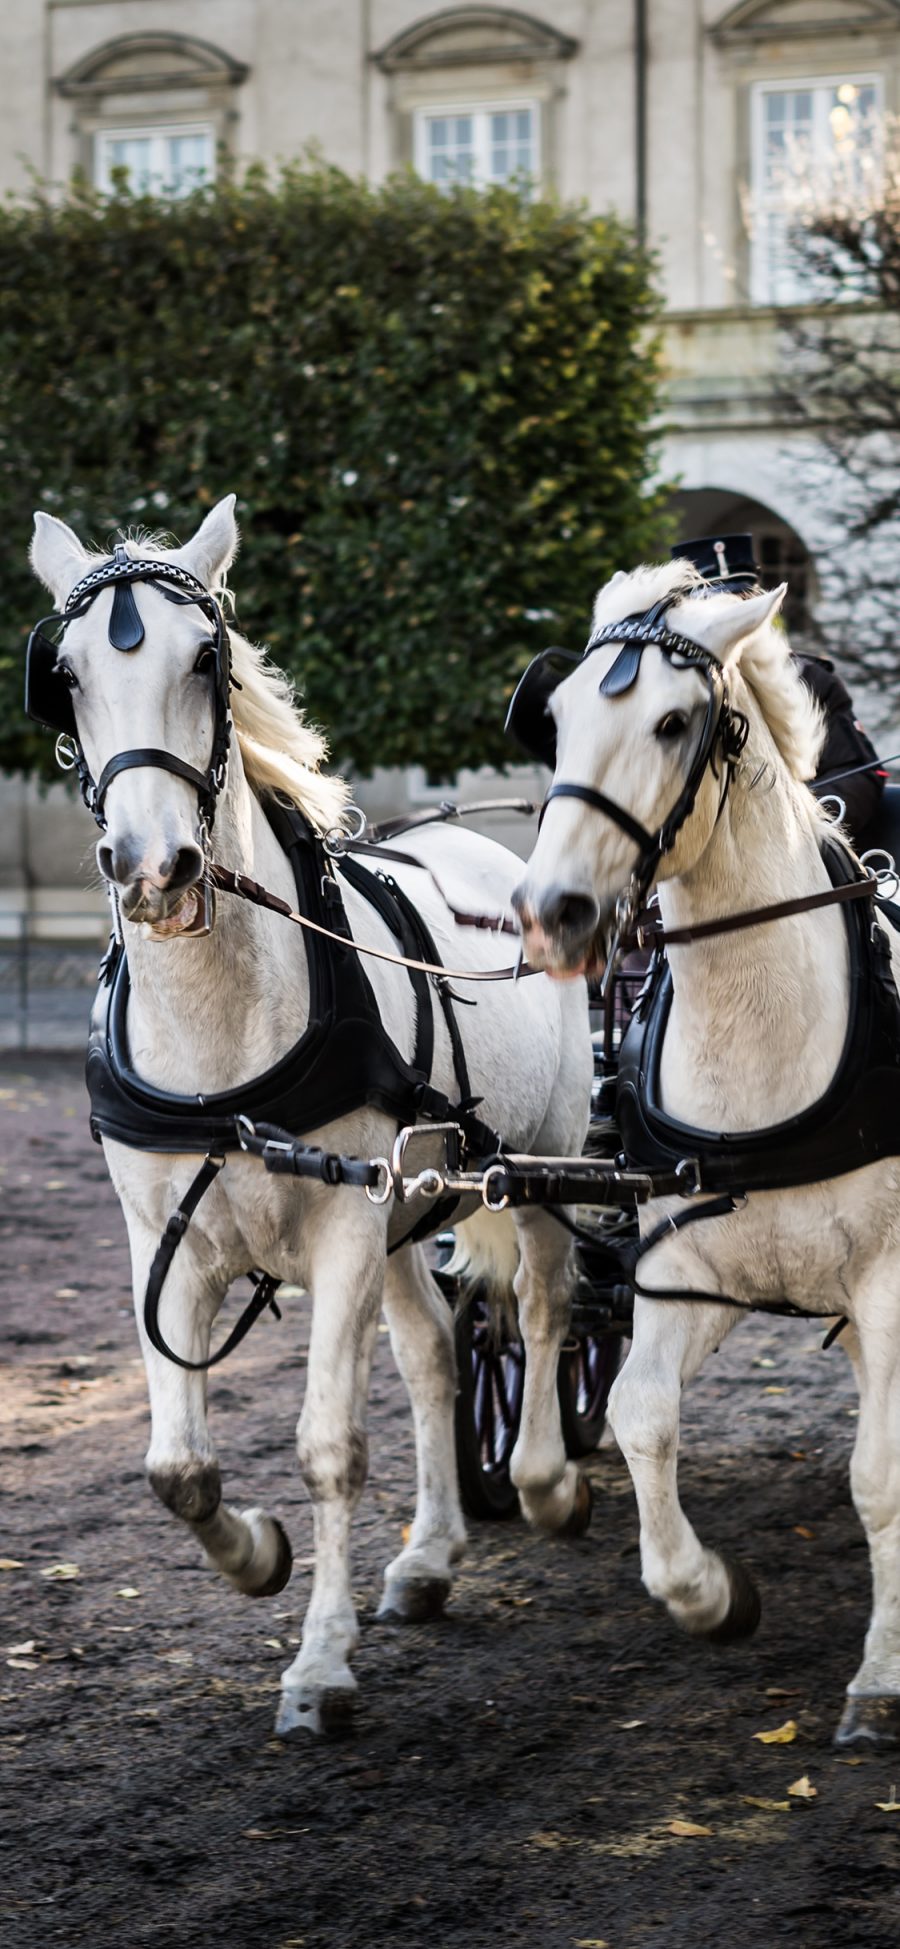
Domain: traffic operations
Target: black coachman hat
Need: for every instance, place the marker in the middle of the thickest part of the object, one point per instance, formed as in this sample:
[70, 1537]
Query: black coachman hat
[724, 560]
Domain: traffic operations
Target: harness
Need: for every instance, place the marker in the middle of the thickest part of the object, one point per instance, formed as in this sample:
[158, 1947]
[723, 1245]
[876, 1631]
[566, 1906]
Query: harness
[344, 1059]
[856, 1122]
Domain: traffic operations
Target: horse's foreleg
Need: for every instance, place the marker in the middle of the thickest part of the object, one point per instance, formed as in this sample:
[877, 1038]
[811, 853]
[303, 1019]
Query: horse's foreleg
[347, 1275]
[707, 1595]
[417, 1582]
[552, 1492]
[250, 1549]
[872, 1713]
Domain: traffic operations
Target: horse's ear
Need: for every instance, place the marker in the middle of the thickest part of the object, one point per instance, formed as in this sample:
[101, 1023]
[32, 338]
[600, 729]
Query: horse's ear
[724, 629]
[57, 556]
[213, 548]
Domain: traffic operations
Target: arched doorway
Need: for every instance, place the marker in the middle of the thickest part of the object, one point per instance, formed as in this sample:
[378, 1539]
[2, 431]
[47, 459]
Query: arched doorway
[780, 553]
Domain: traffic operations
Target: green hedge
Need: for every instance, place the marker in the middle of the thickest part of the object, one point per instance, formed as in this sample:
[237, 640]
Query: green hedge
[434, 411]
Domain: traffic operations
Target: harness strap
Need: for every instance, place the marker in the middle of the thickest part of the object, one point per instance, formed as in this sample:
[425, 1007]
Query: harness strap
[265, 1286]
[677, 1222]
[648, 929]
[601, 803]
[141, 756]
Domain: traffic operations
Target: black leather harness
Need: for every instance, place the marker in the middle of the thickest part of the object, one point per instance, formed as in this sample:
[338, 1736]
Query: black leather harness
[344, 1059]
[856, 1122]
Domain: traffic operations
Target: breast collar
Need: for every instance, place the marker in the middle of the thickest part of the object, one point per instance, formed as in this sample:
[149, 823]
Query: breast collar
[856, 1122]
[344, 1059]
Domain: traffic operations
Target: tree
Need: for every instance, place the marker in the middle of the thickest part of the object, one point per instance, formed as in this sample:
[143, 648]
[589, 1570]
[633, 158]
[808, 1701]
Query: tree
[436, 411]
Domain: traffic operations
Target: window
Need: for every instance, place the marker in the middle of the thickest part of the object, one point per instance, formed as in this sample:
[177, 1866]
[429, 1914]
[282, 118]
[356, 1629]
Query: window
[159, 161]
[812, 141]
[478, 145]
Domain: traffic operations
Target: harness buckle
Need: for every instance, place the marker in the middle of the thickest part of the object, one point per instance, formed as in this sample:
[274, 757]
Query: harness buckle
[687, 1171]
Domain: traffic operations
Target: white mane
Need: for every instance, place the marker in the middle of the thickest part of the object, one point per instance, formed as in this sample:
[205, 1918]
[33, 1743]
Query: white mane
[788, 707]
[281, 754]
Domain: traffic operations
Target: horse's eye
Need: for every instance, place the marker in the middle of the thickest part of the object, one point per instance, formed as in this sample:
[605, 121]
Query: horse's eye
[205, 658]
[69, 678]
[672, 725]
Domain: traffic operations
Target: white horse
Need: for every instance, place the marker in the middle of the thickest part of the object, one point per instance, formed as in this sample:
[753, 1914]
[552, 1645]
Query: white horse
[205, 1014]
[754, 1036]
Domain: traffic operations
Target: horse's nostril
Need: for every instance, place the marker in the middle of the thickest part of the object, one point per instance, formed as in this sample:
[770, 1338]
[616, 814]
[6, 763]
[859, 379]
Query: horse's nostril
[563, 912]
[186, 867]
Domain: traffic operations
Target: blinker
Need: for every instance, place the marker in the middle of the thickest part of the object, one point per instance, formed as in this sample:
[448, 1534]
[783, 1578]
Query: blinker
[48, 699]
[528, 719]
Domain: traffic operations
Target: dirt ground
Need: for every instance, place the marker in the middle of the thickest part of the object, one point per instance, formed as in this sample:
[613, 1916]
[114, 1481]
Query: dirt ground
[516, 1769]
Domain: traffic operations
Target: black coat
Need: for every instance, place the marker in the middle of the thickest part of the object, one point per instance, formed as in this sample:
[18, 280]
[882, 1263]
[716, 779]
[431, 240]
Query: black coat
[846, 745]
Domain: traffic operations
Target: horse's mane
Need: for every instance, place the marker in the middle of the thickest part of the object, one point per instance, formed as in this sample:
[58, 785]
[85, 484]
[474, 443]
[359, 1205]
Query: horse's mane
[282, 755]
[790, 710]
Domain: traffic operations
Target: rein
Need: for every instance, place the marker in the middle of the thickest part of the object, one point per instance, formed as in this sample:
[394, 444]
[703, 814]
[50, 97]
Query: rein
[649, 931]
[240, 884]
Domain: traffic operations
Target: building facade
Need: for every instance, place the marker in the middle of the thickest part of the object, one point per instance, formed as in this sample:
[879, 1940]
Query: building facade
[681, 115]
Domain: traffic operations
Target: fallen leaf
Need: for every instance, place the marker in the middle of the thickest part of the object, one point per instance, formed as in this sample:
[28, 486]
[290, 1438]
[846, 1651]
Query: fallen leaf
[779, 1735]
[23, 1664]
[128, 1591]
[628, 1725]
[803, 1789]
[589, 1942]
[62, 1572]
[891, 1806]
[66, 1292]
[10, 1563]
[851, 1759]
[801, 1530]
[22, 1650]
[54, 1184]
[271, 1833]
[687, 1828]
[774, 1390]
[768, 1806]
[547, 1840]
[780, 1692]
[798, 1454]
[274, 1644]
[406, 1533]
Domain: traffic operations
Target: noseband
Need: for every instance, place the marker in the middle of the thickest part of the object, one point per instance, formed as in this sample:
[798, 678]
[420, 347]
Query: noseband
[724, 729]
[48, 697]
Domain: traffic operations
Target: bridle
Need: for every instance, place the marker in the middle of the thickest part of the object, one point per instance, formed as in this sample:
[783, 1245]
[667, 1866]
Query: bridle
[48, 697]
[724, 731]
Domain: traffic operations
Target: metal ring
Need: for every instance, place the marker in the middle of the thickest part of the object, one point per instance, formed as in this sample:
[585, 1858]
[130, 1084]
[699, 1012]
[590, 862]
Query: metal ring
[66, 752]
[380, 1195]
[493, 1204]
[246, 1130]
[339, 839]
[687, 1170]
[834, 798]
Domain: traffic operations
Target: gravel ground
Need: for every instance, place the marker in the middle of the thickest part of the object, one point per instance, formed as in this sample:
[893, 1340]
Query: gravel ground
[516, 1769]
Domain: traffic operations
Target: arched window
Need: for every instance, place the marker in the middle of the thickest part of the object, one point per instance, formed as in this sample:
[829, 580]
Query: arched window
[158, 106]
[473, 93]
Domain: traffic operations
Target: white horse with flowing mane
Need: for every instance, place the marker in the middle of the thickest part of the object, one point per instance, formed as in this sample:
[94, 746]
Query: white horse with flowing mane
[755, 1034]
[206, 1014]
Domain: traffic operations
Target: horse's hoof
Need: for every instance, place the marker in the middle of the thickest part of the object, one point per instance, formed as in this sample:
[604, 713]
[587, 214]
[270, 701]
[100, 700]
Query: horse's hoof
[284, 1557]
[744, 1608]
[578, 1521]
[324, 1711]
[869, 1722]
[415, 1600]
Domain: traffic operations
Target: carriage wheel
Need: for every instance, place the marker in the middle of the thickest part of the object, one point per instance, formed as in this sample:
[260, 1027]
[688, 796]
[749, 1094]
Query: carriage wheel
[588, 1366]
[488, 1407]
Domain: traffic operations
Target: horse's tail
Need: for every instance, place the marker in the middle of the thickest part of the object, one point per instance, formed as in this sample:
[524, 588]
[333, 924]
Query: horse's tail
[485, 1260]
